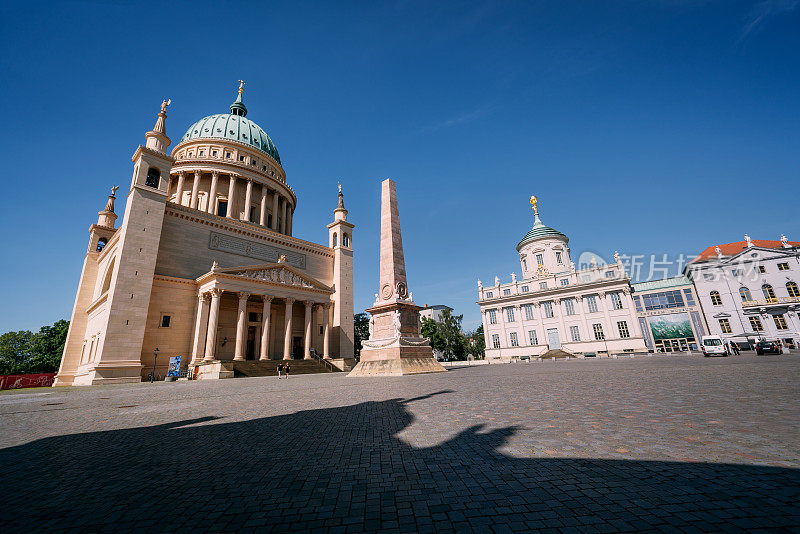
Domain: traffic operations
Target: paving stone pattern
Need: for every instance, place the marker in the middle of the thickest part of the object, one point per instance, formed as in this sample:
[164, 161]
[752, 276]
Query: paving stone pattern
[660, 443]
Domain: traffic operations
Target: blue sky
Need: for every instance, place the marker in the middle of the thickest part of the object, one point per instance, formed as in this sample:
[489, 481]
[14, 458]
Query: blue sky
[648, 127]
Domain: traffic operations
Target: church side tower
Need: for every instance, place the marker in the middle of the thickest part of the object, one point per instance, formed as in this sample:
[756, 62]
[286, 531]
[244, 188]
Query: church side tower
[340, 234]
[120, 325]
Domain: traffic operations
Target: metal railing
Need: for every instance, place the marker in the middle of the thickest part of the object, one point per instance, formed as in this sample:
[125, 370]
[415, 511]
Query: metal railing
[768, 302]
[328, 365]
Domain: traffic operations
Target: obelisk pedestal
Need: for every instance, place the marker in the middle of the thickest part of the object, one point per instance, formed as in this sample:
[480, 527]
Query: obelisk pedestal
[395, 346]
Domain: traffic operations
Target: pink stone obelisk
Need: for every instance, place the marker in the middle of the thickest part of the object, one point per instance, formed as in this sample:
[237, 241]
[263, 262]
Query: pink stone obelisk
[395, 346]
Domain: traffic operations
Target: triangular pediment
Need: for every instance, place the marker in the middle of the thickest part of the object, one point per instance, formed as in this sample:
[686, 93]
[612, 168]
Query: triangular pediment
[276, 273]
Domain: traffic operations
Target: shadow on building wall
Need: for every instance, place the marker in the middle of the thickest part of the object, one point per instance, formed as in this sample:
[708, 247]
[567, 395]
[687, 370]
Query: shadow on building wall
[347, 468]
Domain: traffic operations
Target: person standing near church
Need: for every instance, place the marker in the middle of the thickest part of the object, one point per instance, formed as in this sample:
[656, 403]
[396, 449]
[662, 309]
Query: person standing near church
[280, 368]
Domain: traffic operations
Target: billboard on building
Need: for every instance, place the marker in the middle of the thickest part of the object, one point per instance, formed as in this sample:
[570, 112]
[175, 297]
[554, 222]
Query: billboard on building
[671, 326]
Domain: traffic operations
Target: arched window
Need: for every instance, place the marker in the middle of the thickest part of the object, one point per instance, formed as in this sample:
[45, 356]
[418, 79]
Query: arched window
[335, 239]
[101, 243]
[745, 293]
[791, 287]
[769, 293]
[153, 177]
[109, 274]
[345, 240]
[716, 300]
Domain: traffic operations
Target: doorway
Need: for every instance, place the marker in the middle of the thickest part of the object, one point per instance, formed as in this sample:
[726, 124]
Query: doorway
[553, 340]
[250, 353]
[297, 347]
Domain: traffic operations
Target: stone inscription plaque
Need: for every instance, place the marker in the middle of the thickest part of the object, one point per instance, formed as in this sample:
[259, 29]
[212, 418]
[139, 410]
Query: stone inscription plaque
[253, 249]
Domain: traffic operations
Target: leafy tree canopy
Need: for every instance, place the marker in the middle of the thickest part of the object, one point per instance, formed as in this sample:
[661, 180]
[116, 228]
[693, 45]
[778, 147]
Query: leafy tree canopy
[25, 352]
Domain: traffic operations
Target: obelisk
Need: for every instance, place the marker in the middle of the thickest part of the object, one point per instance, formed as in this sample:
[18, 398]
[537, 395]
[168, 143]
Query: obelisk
[395, 346]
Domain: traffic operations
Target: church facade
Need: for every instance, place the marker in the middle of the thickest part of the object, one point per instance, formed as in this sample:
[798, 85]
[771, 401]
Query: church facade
[553, 305]
[204, 264]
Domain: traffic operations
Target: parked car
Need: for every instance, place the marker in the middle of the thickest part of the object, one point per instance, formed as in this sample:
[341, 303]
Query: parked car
[713, 346]
[768, 347]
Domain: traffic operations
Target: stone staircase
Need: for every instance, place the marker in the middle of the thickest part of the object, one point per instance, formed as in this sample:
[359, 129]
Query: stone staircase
[270, 368]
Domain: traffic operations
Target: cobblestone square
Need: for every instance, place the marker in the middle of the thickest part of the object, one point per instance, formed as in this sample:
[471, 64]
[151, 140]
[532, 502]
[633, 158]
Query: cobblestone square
[652, 443]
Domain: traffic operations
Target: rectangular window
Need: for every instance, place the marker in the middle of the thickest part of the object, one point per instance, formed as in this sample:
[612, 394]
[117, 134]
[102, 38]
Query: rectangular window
[762, 269]
[687, 293]
[783, 266]
[241, 158]
[506, 292]
[532, 337]
[510, 314]
[574, 333]
[201, 153]
[222, 208]
[165, 321]
[228, 155]
[539, 260]
[638, 303]
[598, 332]
[492, 317]
[736, 273]
[495, 341]
[622, 326]
[663, 300]
[780, 322]
[755, 323]
[558, 258]
[489, 294]
[542, 285]
[708, 276]
[525, 289]
[616, 301]
[252, 317]
[725, 326]
[548, 309]
[528, 312]
[564, 282]
[514, 340]
[569, 306]
[214, 153]
[321, 330]
[252, 214]
[591, 301]
[269, 220]
[609, 274]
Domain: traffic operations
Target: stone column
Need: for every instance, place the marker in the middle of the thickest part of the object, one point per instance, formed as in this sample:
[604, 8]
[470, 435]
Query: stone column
[241, 327]
[326, 314]
[610, 331]
[635, 330]
[212, 194]
[307, 331]
[200, 327]
[213, 319]
[283, 215]
[560, 315]
[275, 198]
[179, 190]
[263, 218]
[588, 333]
[248, 197]
[231, 192]
[290, 215]
[195, 190]
[542, 333]
[287, 335]
[265, 324]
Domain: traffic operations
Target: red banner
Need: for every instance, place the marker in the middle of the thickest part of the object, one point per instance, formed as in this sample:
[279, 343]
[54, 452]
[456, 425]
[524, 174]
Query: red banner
[41, 380]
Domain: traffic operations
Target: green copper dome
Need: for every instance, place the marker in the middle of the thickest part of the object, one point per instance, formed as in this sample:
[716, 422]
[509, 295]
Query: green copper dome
[539, 230]
[233, 126]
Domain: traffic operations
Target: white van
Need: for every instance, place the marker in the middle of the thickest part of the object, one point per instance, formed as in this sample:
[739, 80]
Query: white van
[713, 346]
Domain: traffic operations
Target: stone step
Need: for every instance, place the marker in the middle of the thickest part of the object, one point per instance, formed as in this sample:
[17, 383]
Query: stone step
[270, 368]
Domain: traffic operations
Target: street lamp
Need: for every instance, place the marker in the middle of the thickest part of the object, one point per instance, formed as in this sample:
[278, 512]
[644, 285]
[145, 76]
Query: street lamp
[155, 357]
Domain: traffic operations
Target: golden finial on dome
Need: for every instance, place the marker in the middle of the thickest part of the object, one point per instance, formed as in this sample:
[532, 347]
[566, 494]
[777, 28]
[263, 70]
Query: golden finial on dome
[534, 200]
[241, 86]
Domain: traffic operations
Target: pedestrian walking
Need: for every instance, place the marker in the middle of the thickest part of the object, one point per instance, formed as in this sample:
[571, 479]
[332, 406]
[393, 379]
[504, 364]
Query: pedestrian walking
[286, 369]
[280, 370]
[735, 347]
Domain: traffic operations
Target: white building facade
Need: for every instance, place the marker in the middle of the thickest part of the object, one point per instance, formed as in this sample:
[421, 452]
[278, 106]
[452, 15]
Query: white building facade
[554, 306]
[749, 289]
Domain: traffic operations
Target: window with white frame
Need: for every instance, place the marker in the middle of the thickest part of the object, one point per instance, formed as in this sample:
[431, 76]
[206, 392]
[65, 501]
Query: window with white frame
[510, 314]
[492, 316]
[737, 273]
[528, 312]
[532, 337]
[616, 301]
[525, 289]
[622, 326]
[506, 292]
[598, 332]
[762, 269]
[569, 306]
[725, 326]
[780, 322]
[489, 294]
[716, 299]
[609, 274]
[591, 302]
[496, 341]
[745, 294]
[542, 285]
[708, 276]
[574, 333]
[792, 289]
[783, 266]
[514, 340]
[548, 308]
[564, 281]
[755, 323]
[539, 260]
[558, 257]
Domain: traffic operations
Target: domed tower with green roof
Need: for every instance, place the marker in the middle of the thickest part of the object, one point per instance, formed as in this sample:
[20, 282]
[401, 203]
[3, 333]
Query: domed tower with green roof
[543, 250]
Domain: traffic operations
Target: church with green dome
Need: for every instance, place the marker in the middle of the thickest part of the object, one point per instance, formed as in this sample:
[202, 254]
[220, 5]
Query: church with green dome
[205, 272]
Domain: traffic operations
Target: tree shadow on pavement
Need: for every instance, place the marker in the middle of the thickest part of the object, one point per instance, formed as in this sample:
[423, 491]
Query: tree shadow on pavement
[346, 469]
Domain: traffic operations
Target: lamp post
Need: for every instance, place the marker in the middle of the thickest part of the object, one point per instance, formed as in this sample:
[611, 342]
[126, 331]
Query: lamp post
[155, 357]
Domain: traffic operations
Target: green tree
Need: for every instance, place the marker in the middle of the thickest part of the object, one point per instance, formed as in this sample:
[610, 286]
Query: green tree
[24, 352]
[446, 335]
[361, 325]
[476, 344]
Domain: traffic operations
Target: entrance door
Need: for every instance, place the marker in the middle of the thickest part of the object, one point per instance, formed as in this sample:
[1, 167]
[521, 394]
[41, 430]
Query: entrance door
[250, 353]
[297, 347]
[552, 339]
